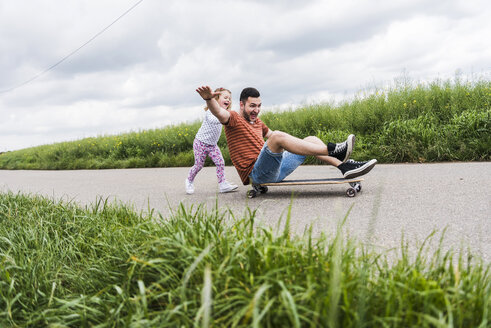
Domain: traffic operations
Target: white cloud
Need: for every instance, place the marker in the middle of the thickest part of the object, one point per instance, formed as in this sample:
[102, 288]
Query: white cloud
[142, 72]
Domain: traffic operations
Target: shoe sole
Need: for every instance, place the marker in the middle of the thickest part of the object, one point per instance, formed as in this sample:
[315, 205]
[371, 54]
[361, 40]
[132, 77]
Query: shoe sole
[229, 190]
[351, 145]
[362, 170]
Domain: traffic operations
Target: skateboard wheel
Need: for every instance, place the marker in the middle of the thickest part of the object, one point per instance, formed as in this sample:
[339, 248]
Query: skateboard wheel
[351, 192]
[251, 193]
[263, 189]
[356, 186]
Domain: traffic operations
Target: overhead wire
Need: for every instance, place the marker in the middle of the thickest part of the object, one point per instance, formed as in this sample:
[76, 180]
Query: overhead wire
[73, 52]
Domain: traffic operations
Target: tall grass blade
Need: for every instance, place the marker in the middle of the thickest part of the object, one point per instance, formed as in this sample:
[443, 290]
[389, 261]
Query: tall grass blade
[204, 311]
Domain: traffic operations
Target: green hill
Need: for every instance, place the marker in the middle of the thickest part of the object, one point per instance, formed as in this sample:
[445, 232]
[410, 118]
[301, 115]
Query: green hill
[438, 121]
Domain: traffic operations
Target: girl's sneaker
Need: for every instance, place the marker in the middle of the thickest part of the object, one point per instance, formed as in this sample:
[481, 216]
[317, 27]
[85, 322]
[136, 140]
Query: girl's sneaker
[225, 186]
[189, 187]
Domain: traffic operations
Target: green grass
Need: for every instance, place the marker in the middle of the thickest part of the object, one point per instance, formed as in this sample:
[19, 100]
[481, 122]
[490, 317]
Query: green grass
[438, 121]
[166, 147]
[108, 266]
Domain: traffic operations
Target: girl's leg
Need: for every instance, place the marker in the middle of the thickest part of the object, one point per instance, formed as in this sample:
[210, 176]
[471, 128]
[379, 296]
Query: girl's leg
[199, 159]
[217, 158]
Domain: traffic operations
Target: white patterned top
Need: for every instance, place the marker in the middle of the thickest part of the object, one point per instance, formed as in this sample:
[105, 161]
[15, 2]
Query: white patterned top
[210, 130]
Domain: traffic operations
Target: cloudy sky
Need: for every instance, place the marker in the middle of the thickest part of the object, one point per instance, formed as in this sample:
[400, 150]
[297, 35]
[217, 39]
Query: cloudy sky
[66, 73]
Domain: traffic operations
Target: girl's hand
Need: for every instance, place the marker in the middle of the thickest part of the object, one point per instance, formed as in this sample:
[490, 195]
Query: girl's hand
[206, 93]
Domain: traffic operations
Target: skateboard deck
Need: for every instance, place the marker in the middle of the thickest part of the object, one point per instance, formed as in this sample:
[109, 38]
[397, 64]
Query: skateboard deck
[355, 185]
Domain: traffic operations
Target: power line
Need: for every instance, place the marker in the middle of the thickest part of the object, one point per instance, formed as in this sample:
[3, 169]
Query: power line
[73, 52]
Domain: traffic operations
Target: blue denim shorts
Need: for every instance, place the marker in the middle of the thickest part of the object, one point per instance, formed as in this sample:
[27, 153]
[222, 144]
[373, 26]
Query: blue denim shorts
[274, 167]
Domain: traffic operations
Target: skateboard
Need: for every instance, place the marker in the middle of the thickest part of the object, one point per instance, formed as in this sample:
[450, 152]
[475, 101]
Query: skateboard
[355, 185]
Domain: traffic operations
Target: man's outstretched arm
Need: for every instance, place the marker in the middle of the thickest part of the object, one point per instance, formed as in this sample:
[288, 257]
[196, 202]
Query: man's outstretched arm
[207, 94]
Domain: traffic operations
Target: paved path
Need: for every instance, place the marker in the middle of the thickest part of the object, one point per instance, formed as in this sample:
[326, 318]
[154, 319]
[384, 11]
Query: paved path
[414, 199]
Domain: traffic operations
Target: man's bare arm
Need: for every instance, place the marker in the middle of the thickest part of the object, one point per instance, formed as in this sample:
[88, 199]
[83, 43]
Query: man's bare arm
[207, 94]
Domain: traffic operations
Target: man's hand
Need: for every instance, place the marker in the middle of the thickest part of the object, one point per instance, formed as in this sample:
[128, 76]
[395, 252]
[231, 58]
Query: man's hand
[206, 93]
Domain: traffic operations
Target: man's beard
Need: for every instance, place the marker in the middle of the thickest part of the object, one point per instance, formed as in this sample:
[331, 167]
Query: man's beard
[247, 117]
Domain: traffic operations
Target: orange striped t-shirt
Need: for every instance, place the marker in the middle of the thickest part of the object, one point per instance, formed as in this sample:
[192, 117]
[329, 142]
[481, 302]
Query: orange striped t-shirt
[245, 141]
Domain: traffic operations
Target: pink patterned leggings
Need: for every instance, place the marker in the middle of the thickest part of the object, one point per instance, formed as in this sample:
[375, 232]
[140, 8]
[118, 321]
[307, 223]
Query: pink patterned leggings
[201, 150]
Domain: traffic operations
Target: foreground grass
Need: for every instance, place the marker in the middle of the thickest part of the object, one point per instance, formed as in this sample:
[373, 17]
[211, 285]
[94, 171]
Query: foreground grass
[439, 121]
[106, 266]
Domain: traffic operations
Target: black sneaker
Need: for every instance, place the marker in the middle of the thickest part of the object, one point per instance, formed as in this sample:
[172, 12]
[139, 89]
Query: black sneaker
[343, 150]
[352, 169]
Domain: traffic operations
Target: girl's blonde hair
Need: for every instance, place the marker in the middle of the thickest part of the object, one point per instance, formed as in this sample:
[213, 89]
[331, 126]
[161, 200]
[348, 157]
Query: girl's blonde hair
[218, 96]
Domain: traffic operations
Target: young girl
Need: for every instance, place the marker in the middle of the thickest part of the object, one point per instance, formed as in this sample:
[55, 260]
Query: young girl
[205, 144]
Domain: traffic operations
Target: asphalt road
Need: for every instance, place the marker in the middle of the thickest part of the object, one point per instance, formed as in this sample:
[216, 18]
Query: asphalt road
[410, 200]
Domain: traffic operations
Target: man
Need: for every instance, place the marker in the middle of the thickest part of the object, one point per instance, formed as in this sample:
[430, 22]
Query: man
[259, 162]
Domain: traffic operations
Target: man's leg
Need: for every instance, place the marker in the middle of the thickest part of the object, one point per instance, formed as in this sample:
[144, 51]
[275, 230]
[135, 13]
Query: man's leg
[289, 163]
[311, 145]
[350, 169]
[267, 166]
[280, 141]
[325, 158]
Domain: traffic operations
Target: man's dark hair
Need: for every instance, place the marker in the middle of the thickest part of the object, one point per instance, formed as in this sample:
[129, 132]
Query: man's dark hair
[249, 92]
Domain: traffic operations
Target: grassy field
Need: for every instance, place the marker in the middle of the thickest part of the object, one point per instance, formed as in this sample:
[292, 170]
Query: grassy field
[62, 265]
[439, 121]
[108, 266]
